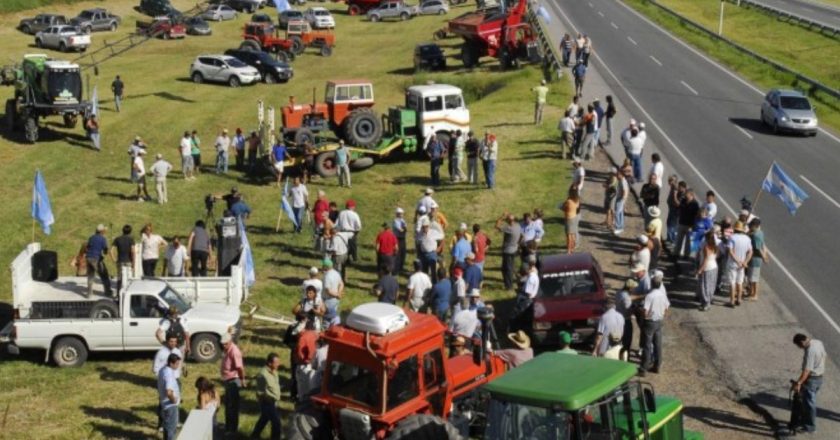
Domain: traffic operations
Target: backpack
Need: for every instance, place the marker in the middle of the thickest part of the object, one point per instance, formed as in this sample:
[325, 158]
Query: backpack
[177, 330]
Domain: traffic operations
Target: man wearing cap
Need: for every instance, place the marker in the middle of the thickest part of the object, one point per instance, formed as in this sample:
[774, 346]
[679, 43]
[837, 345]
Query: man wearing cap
[169, 395]
[540, 92]
[160, 169]
[611, 322]
[314, 281]
[138, 175]
[654, 221]
[567, 134]
[473, 275]
[333, 284]
[459, 286]
[641, 255]
[342, 162]
[97, 249]
[134, 148]
[428, 248]
[419, 286]
[462, 247]
[522, 351]
[399, 227]
[740, 254]
[386, 246]
[222, 148]
[641, 277]
[810, 379]
[656, 307]
[507, 225]
[336, 247]
[425, 203]
[565, 340]
[233, 377]
[759, 257]
[436, 151]
[624, 300]
[238, 142]
[465, 319]
[350, 223]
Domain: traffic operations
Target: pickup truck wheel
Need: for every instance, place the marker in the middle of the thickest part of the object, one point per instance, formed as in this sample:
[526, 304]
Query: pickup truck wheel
[197, 78]
[104, 309]
[441, 12]
[113, 27]
[39, 43]
[26, 29]
[69, 352]
[88, 30]
[404, 16]
[374, 18]
[423, 427]
[62, 47]
[205, 348]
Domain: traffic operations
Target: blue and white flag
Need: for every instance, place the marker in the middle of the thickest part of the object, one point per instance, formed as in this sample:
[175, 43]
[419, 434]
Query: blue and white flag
[250, 274]
[282, 5]
[286, 206]
[784, 188]
[41, 209]
[94, 102]
[542, 12]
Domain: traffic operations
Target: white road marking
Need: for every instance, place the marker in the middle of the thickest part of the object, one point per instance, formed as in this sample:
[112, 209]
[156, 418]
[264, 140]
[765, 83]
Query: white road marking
[689, 87]
[600, 13]
[613, 25]
[744, 131]
[591, 5]
[709, 60]
[656, 61]
[633, 41]
[691, 165]
[830, 199]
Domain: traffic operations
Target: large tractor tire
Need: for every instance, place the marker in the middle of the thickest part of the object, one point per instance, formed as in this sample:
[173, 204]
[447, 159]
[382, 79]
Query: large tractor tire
[469, 55]
[70, 121]
[297, 45]
[251, 45]
[283, 56]
[31, 129]
[304, 135]
[308, 424]
[424, 427]
[325, 164]
[363, 128]
[361, 163]
[10, 117]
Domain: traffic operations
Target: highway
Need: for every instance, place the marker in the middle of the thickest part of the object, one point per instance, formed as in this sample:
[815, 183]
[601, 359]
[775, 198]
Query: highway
[812, 10]
[705, 120]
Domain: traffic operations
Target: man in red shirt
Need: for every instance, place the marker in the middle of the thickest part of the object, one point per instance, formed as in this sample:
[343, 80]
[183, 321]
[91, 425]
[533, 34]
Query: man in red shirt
[321, 206]
[386, 248]
[480, 244]
[303, 354]
[233, 376]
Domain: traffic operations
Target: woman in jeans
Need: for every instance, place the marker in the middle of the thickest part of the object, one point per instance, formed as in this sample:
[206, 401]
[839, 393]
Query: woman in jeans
[707, 271]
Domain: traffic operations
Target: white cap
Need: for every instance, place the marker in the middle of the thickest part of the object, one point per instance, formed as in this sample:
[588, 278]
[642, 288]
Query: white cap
[100, 228]
[658, 274]
[433, 205]
[641, 125]
[474, 293]
[642, 239]
[632, 122]
[462, 227]
[424, 222]
[400, 211]
[313, 270]
[226, 337]
[429, 191]
[422, 209]
[158, 156]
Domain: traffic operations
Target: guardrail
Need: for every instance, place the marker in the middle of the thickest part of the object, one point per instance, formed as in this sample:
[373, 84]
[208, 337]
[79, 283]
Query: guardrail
[815, 86]
[788, 16]
[551, 59]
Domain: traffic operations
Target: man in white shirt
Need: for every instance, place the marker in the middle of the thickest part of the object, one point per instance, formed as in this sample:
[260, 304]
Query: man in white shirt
[635, 148]
[710, 205]
[611, 322]
[171, 346]
[419, 286]
[567, 134]
[160, 169]
[222, 147]
[578, 175]
[185, 150]
[300, 202]
[176, 259]
[349, 222]
[425, 203]
[138, 174]
[641, 255]
[740, 253]
[338, 247]
[313, 280]
[656, 309]
[657, 169]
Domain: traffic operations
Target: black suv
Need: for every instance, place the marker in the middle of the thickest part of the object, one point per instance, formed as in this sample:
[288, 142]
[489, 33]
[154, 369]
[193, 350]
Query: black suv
[156, 8]
[272, 71]
[429, 56]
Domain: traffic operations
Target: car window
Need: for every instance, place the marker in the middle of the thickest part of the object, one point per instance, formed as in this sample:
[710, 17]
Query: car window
[235, 63]
[403, 384]
[86, 14]
[795, 103]
[432, 104]
[560, 284]
[206, 61]
[453, 102]
[145, 306]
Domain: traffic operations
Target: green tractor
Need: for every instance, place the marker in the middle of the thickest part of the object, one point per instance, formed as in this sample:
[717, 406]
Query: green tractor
[558, 396]
[43, 87]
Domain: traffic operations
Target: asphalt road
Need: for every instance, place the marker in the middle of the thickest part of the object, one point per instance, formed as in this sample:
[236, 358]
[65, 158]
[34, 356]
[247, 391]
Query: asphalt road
[706, 121]
[811, 10]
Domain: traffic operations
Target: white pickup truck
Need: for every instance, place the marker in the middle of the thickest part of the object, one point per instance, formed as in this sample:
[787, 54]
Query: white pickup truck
[57, 317]
[63, 37]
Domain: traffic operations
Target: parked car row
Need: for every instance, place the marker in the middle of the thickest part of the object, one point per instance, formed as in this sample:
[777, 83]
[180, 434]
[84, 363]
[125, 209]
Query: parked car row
[87, 21]
[240, 66]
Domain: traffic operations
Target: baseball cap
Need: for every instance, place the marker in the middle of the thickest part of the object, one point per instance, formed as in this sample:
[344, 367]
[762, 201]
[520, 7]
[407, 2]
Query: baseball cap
[462, 227]
[631, 284]
[400, 211]
[351, 203]
[565, 337]
[429, 191]
[642, 239]
[474, 293]
[101, 228]
[327, 262]
[658, 274]
[313, 270]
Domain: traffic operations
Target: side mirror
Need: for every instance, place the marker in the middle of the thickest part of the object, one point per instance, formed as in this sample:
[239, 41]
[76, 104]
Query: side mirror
[650, 399]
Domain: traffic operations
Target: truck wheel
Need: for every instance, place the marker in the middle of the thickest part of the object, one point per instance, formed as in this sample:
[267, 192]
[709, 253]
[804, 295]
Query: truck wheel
[234, 81]
[26, 29]
[113, 27]
[308, 424]
[325, 164]
[374, 18]
[297, 45]
[424, 427]
[354, 10]
[70, 121]
[197, 78]
[361, 163]
[326, 51]
[363, 128]
[104, 309]
[39, 43]
[30, 128]
[205, 348]
[441, 12]
[69, 352]
[251, 45]
[469, 55]
[404, 16]
[88, 30]
[10, 116]
[304, 135]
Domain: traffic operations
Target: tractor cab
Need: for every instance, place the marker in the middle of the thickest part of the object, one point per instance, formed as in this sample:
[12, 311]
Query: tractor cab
[558, 396]
[440, 109]
[259, 30]
[61, 82]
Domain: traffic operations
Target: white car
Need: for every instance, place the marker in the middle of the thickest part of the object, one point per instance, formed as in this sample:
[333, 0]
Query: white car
[319, 18]
[223, 69]
[219, 13]
[63, 38]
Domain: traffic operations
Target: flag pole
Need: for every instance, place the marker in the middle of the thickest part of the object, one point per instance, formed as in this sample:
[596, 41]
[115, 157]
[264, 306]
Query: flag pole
[761, 188]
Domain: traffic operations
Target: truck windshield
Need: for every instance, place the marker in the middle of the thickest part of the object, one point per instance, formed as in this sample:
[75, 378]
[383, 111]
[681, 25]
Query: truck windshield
[354, 383]
[559, 284]
[64, 85]
[174, 298]
[507, 420]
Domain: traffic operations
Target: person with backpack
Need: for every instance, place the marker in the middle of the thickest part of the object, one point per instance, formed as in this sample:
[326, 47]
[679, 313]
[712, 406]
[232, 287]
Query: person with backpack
[174, 325]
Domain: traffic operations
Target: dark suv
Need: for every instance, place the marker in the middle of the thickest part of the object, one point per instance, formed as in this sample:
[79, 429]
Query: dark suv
[571, 298]
[271, 70]
[429, 56]
[155, 8]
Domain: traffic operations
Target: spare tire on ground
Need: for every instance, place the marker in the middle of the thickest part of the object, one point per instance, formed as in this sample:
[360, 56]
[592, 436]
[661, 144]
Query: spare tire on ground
[325, 164]
[361, 163]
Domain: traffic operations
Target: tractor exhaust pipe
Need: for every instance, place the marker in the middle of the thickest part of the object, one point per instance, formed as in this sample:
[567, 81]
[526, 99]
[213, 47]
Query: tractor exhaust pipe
[486, 315]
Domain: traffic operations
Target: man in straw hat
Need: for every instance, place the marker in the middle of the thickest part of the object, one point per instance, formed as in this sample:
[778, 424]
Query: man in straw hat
[740, 254]
[520, 353]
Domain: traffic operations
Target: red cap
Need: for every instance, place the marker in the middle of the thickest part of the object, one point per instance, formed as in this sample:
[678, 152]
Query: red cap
[351, 203]
[458, 271]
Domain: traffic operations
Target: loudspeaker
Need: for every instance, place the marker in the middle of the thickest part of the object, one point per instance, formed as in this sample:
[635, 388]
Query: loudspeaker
[45, 266]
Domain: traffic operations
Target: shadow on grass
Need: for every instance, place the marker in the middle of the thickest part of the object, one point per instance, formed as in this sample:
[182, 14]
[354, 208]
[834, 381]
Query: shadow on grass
[122, 416]
[726, 420]
[112, 431]
[164, 95]
[116, 196]
[115, 179]
[122, 376]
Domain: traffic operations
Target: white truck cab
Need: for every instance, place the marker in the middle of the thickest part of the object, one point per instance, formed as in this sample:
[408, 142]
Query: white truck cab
[440, 109]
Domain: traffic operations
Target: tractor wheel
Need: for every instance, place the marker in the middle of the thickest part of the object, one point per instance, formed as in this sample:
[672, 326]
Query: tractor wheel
[297, 45]
[354, 10]
[70, 121]
[31, 130]
[304, 135]
[439, 34]
[363, 128]
[361, 163]
[469, 55]
[326, 51]
[424, 427]
[308, 424]
[283, 56]
[10, 116]
[325, 165]
[251, 45]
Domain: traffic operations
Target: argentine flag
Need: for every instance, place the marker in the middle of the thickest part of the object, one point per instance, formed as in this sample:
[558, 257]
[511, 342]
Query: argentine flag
[784, 188]
[282, 5]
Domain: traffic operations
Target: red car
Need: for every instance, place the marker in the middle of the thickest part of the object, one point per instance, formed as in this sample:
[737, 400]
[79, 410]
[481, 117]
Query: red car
[571, 298]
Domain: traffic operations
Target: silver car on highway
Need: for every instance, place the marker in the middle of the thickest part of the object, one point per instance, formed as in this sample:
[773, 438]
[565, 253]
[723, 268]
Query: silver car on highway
[788, 111]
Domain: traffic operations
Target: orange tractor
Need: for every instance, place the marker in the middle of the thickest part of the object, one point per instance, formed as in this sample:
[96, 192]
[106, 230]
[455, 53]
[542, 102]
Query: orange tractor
[264, 37]
[388, 376]
[347, 110]
[301, 34]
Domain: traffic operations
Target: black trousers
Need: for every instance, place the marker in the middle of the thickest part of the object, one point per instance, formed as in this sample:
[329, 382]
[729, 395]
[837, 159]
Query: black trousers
[149, 267]
[400, 263]
[508, 270]
[268, 413]
[199, 263]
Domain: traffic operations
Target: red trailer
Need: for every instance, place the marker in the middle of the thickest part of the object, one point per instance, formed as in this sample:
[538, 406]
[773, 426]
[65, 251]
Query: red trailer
[502, 33]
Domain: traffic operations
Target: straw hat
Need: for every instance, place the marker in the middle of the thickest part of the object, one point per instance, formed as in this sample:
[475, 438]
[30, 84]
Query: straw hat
[520, 339]
[654, 211]
[739, 226]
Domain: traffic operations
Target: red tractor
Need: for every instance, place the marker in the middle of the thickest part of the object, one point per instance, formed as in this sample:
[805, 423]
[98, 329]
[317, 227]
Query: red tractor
[259, 36]
[347, 110]
[360, 7]
[502, 33]
[388, 376]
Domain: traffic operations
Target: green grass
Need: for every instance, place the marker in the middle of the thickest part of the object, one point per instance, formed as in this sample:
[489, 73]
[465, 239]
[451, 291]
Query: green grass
[25, 5]
[810, 53]
[111, 396]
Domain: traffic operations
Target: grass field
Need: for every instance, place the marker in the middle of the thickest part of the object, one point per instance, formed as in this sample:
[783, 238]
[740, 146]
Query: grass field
[24, 5]
[112, 395]
[810, 53]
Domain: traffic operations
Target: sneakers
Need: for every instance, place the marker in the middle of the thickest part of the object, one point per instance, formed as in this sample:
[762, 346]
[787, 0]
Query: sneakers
[618, 231]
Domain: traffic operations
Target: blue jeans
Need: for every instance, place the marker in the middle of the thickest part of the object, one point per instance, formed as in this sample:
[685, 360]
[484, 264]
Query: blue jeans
[221, 163]
[619, 214]
[299, 217]
[566, 55]
[331, 316]
[435, 171]
[636, 160]
[268, 413]
[809, 402]
[428, 261]
[232, 400]
[671, 223]
[169, 416]
[490, 173]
